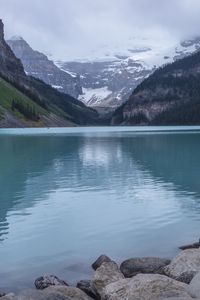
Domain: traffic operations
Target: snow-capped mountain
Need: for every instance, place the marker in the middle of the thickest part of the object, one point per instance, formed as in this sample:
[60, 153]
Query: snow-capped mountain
[109, 79]
[38, 65]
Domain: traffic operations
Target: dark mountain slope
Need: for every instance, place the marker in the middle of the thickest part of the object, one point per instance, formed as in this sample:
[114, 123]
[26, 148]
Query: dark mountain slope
[60, 109]
[170, 96]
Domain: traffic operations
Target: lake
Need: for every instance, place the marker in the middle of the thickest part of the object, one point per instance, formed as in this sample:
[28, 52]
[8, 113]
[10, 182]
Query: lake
[69, 195]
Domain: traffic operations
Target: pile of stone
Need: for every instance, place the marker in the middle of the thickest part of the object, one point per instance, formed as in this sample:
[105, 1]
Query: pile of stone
[147, 278]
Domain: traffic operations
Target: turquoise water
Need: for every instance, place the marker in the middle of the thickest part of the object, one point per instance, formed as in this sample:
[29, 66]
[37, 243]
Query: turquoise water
[69, 195]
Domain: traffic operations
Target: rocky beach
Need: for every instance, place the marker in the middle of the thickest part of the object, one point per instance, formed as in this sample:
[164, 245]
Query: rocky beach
[148, 278]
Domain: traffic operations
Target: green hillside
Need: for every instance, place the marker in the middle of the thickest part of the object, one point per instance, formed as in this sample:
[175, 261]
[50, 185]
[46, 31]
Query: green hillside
[19, 105]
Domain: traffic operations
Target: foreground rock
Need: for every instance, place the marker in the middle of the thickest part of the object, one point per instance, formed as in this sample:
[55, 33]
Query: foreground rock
[71, 293]
[194, 286]
[106, 274]
[185, 266]
[2, 294]
[9, 296]
[86, 287]
[190, 246]
[45, 281]
[146, 287]
[51, 293]
[102, 259]
[147, 265]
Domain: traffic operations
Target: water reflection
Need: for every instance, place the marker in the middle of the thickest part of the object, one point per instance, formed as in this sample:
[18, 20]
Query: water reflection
[33, 167]
[119, 193]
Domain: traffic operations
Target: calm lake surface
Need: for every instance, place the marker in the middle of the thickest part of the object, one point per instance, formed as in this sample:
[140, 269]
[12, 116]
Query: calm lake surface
[69, 195]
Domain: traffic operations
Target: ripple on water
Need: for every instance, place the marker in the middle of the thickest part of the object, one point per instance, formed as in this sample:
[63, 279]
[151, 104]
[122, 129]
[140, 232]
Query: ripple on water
[67, 198]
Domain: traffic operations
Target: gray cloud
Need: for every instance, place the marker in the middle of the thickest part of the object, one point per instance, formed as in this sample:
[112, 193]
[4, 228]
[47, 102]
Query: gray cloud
[73, 28]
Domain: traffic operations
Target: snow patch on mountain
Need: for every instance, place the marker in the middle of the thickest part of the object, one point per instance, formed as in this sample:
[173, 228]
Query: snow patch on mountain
[94, 95]
[16, 38]
[110, 73]
[58, 87]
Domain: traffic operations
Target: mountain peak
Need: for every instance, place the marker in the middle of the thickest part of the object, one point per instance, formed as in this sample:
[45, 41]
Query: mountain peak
[1, 30]
[16, 38]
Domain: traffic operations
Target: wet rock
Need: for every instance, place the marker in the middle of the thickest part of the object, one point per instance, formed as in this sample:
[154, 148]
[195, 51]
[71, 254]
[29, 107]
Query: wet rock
[147, 265]
[190, 246]
[146, 287]
[45, 281]
[86, 287]
[71, 293]
[100, 260]
[2, 294]
[9, 296]
[194, 286]
[107, 273]
[185, 266]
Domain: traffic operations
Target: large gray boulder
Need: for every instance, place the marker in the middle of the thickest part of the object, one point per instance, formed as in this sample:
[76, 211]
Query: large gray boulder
[70, 292]
[37, 295]
[45, 281]
[100, 260]
[145, 287]
[107, 273]
[194, 286]
[185, 266]
[86, 287]
[9, 296]
[51, 293]
[146, 265]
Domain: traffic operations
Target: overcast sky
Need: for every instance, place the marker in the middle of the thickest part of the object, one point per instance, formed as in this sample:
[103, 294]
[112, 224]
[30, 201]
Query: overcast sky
[75, 28]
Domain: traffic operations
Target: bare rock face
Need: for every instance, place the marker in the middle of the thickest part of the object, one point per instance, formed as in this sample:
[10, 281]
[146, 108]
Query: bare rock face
[1, 30]
[100, 260]
[147, 265]
[45, 281]
[38, 65]
[185, 266]
[146, 287]
[9, 64]
[107, 273]
[194, 286]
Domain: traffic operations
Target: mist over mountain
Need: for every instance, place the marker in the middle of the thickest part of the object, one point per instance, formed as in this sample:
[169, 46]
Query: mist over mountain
[101, 63]
[109, 81]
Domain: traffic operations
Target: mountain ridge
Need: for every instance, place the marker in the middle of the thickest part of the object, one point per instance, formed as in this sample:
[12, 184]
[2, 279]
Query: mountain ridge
[38, 65]
[109, 81]
[60, 109]
[170, 96]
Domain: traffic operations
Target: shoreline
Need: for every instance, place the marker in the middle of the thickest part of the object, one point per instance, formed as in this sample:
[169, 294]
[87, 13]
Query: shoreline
[178, 277]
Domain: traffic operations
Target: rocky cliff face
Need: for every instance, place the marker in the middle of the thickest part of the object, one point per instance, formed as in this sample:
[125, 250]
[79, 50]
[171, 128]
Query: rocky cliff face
[32, 97]
[9, 64]
[108, 81]
[38, 65]
[170, 96]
